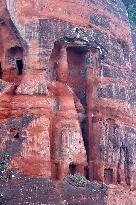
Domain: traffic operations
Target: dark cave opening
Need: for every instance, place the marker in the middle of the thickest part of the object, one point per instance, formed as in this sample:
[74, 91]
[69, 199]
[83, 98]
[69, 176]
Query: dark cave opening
[72, 169]
[1, 72]
[20, 66]
[17, 136]
[84, 129]
[86, 172]
[15, 56]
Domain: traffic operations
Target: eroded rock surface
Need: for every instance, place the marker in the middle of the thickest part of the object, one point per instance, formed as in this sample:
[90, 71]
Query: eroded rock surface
[67, 99]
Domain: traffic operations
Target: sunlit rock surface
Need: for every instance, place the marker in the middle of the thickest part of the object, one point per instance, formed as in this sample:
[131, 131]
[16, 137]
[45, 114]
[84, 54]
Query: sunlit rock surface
[67, 102]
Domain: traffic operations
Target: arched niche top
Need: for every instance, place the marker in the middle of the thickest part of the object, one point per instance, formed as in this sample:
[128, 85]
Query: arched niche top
[84, 44]
[15, 57]
[13, 51]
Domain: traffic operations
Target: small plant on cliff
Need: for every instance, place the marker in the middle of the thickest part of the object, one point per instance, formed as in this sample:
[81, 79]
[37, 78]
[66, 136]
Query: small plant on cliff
[81, 180]
[131, 9]
[4, 158]
[132, 16]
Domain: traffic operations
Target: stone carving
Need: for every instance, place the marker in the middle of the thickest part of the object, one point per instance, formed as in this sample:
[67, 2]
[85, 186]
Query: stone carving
[64, 67]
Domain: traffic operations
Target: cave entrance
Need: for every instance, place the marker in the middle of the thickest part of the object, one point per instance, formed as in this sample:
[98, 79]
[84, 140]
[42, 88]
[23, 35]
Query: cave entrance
[15, 58]
[72, 169]
[15, 65]
[17, 135]
[20, 66]
[1, 72]
[86, 172]
[108, 176]
[84, 129]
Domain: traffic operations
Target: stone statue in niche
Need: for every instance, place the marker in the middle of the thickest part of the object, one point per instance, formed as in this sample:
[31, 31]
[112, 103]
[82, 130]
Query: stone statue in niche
[67, 141]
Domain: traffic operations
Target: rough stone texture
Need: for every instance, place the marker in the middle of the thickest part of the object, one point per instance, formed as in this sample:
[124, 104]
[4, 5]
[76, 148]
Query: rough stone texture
[34, 190]
[67, 99]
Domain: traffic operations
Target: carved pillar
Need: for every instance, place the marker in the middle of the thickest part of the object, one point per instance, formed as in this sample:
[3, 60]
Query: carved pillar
[63, 65]
[96, 168]
[63, 170]
[90, 104]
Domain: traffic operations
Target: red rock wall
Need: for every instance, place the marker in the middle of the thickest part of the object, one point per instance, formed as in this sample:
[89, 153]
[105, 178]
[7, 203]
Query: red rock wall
[77, 87]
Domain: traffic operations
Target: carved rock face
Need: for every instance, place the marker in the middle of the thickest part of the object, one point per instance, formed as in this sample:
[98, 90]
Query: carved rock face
[66, 102]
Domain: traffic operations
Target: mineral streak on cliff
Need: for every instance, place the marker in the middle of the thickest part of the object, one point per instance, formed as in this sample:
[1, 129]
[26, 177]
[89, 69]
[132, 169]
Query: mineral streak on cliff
[67, 102]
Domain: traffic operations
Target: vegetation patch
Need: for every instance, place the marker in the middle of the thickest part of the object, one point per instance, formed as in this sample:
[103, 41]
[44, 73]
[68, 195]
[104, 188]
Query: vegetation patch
[131, 9]
[4, 158]
[77, 180]
[132, 16]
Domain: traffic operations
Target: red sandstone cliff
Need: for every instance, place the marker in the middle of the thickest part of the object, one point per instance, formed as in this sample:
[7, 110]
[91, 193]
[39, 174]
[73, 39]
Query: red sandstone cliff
[67, 100]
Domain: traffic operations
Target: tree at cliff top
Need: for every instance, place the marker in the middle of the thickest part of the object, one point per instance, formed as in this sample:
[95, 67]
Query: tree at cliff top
[131, 8]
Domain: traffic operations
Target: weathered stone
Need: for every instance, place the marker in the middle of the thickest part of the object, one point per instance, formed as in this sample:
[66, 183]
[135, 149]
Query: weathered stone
[100, 20]
[111, 72]
[67, 102]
